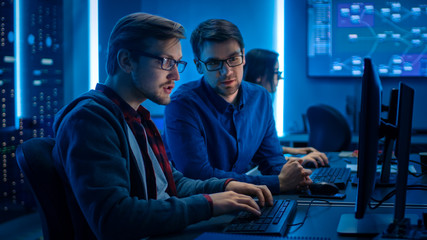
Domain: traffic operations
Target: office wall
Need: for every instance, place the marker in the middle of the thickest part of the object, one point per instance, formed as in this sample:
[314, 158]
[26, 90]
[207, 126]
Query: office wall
[109, 12]
[76, 48]
[302, 91]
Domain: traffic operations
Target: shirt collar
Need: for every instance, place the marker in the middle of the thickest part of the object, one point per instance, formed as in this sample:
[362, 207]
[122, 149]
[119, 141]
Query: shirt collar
[219, 102]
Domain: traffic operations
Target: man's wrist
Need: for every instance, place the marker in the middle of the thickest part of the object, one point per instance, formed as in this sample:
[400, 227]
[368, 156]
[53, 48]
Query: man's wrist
[208, 197]
[227, 182]
[282, 185]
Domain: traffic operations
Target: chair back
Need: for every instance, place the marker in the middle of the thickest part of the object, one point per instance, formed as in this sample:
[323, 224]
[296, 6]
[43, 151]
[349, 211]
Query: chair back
[34, 157]
[329, 130]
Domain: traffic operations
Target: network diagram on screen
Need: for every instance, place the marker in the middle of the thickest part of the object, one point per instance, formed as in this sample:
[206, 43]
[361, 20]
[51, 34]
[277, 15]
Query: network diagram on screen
[392, 33]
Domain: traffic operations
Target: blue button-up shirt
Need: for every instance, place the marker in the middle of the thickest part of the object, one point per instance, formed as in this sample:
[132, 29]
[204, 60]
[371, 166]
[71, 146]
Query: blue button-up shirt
[205, 136]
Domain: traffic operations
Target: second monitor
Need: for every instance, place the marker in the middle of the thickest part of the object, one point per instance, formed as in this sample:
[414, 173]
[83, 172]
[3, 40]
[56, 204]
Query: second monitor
[359, 223]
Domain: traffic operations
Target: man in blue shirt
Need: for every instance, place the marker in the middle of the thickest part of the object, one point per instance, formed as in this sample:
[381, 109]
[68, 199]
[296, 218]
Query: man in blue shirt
[219, 126]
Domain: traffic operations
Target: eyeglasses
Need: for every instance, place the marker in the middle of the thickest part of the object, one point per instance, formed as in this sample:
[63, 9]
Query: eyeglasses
[166, 63]
[279, 74]
[216, 64]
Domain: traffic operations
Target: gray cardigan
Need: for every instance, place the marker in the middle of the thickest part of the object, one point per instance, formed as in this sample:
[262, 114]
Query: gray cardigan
[103, 185]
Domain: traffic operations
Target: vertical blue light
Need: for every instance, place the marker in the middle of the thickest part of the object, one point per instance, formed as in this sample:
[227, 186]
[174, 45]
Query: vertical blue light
[280, 48]
[18, 90]
[93, 44]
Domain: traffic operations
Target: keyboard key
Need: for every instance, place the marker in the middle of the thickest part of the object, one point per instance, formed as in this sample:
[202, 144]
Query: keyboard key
[338, 176]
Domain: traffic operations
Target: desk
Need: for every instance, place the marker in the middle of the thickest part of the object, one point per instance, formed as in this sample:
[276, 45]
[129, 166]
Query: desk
[322, 221]
[323, 218]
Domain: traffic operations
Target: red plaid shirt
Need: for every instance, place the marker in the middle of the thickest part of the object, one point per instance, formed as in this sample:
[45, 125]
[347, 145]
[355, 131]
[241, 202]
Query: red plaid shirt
[138, 121]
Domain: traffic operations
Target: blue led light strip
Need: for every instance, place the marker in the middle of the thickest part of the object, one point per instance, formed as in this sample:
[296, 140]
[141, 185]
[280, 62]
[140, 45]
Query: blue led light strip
[280, 48]
[93, 44]
[18, 90]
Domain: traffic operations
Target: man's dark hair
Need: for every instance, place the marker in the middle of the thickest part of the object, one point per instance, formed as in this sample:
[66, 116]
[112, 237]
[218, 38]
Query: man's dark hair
[131, 31]
[214, 30]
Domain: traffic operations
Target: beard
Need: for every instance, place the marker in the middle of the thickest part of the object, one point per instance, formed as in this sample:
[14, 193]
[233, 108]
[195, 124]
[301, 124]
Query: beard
[151, 92]
[158, 96]
[161, 100]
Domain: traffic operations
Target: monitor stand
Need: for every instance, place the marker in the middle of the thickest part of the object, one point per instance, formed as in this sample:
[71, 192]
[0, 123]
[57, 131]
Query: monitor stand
[369, 226]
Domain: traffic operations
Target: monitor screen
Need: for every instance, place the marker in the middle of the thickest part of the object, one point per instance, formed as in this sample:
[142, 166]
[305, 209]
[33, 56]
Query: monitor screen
[390, 133]
[370, 122]
[342, 32]
[403, 144]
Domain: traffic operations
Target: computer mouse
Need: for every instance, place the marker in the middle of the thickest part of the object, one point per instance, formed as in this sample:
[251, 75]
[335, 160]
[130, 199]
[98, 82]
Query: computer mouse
[323, 188]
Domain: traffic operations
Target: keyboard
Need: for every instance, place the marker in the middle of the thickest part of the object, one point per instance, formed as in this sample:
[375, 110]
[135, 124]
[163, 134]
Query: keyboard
[274, 219]
[336, 175]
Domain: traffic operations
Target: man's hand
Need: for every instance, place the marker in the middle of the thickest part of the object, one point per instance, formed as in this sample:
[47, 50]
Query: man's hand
[260, 191]
[319, 159]
[293, 175]
[227, 202]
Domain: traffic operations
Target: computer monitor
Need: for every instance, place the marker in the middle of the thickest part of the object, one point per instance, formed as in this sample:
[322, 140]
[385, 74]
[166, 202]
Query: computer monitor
[370, 130]
[401, 226]
[370, 122]
[389, 130]
[403, 144]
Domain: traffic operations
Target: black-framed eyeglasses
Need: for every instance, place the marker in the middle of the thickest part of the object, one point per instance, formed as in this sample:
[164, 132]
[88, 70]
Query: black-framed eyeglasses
[279, 74]
[166, 63]
[216, 64]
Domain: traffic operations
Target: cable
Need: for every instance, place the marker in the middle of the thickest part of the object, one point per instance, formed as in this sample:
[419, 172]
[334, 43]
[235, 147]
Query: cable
[300, 224]
[380, 202]
[392, 193]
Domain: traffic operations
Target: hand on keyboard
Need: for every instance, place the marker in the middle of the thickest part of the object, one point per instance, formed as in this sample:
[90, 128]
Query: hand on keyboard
[227, 202]
[259, 191]
[238, 198]
[274, 219]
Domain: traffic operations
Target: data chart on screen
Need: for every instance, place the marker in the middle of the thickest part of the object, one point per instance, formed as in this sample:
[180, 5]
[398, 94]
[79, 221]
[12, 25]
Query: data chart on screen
[392, 33]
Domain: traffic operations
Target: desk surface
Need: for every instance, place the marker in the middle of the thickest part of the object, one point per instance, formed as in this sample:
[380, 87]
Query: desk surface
[323, 218]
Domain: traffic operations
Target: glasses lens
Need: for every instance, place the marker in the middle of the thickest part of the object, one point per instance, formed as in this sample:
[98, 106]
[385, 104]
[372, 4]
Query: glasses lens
[213, 65]
[235, 61]
[167, 64]
[181, 66]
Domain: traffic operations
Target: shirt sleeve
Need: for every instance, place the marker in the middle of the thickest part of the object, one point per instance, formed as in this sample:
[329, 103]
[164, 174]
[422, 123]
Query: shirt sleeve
[187, 147]
[187, 186]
